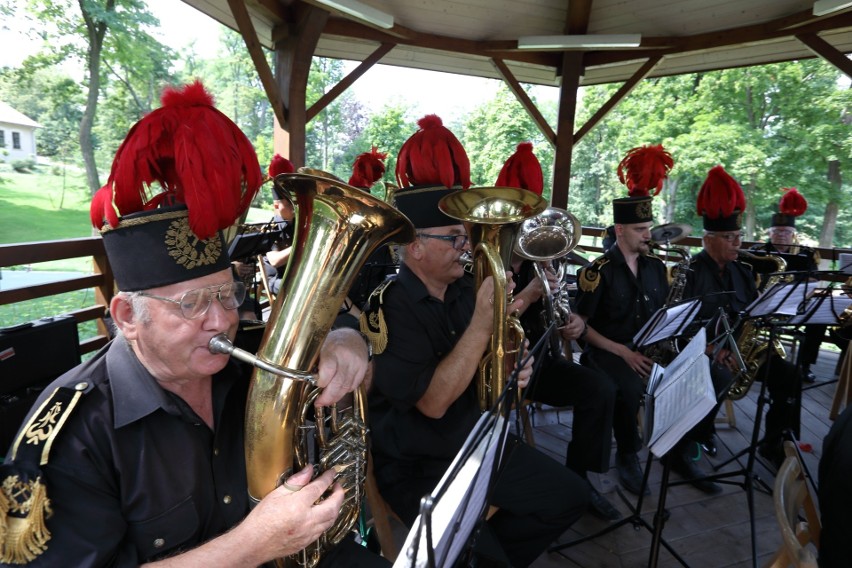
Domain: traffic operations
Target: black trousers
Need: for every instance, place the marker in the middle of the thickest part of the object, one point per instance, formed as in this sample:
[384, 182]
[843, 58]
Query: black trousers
[538, 499]
[630, 389]
[559, 382]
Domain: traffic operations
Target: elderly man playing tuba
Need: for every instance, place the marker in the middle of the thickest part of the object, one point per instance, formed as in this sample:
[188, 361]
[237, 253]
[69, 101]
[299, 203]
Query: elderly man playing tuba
[146, 458]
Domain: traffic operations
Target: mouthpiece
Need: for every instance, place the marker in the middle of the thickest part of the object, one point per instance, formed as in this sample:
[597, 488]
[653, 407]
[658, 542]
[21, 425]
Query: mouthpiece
[221, 345]
[466, 258]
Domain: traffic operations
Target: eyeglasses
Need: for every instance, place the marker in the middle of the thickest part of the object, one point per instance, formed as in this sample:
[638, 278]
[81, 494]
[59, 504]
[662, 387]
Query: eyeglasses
[195, 303]
[730, 237]
[779, 232]
[458, 241]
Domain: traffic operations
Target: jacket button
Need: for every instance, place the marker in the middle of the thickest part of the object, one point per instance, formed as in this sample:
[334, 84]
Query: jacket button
[215, 451]
[159, 542]
[226, 499]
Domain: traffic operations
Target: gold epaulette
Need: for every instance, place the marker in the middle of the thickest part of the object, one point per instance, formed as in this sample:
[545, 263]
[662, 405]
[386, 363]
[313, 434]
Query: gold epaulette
[590, 276]
[372, 320]
[24, 505]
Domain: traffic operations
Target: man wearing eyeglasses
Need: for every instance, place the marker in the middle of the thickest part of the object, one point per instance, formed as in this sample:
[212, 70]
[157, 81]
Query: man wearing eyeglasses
[137, 456]
[433, 329]
[724, 284]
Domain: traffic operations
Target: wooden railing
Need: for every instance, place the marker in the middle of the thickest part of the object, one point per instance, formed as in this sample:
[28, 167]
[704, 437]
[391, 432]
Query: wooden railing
[101, 280]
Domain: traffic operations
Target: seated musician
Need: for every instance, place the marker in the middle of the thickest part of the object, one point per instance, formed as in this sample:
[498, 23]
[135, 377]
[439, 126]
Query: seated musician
[618, 293]
[146, 458]
[835, 494]
[720, 280]
[558, 381]
[431, 329]
[275, 260]
[783, 239]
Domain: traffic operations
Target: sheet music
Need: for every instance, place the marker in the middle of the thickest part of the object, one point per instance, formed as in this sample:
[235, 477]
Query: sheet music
[782, 299]
[680, 397]
[459, 507]
[666, 323]
[823, 309]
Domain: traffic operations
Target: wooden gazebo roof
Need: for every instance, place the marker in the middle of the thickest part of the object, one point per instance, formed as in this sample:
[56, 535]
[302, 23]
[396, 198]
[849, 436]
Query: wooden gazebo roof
[479, 38]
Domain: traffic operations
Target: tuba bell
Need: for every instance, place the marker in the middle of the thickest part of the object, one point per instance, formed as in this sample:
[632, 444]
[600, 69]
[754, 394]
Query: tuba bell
[492, 217]
[337, 228]
[546, 238]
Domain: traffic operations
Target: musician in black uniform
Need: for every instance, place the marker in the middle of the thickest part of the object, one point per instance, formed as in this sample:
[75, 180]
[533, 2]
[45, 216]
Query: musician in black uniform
[557, 380]
[835, 494]
[431, 329]
[721, 281]
[138, 455]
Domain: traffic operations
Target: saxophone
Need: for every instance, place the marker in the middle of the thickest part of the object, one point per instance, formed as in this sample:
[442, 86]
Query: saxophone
[492, 217]
[753, 342]
[663, 351]
[337, 228]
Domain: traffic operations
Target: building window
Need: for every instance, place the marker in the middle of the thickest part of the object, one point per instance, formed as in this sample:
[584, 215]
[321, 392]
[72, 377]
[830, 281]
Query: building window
[2, 138]
[16, 140]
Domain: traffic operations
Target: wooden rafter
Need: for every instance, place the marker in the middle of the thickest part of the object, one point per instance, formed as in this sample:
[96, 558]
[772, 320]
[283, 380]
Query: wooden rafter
[827, 52]
[525, 101]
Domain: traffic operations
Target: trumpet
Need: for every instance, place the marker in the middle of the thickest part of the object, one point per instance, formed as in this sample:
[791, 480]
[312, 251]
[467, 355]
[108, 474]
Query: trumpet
[545, 239]
[492, 217]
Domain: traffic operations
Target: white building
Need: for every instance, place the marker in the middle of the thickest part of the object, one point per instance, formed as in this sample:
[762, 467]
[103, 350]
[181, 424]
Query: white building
[17, 135]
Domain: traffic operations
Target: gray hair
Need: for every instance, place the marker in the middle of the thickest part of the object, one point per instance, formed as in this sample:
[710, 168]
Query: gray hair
[138, 306]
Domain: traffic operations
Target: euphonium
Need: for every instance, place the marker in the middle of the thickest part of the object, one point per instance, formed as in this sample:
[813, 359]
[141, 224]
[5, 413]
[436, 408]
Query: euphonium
[492, 217]
[337, 228]
[753, 342]
[546, 238]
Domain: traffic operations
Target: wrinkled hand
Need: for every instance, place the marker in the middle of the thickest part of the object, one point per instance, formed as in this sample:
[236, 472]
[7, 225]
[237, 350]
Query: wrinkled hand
[342, 365]
[638, 362]
[573, 328]
[286, 521]
[243, 269]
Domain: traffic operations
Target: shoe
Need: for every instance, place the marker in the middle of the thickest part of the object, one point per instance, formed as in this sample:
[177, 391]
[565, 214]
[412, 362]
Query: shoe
[629, 472]
[809, 377]
[709, 447]
[687, 467]
[600, 507]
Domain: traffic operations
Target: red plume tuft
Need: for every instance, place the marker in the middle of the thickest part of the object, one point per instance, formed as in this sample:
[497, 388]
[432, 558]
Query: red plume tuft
[102, 210]
[280, 165]
[720, 195]
[522, 170]
[368, 168]
[644, 168]
[197, 156]
[792, 202]
[432, 155]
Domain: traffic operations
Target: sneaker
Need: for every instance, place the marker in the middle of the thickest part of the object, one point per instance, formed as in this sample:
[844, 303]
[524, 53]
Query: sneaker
[629, 473]
[708, 446]
[685, 465]
[600, 507]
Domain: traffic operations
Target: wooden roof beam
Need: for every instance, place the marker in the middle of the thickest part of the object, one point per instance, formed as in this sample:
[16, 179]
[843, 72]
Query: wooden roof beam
[525, 101]
[827, 52]
[347, 81]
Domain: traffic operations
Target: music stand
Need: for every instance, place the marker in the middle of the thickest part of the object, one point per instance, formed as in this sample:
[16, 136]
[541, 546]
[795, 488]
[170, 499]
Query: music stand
[675, 403]
[785, 300]
[252, 240]
[667, 323]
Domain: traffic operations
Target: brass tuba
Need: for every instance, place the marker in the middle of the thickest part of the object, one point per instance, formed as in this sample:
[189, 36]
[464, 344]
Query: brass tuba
[546, 238]
[337, 228]
[492, 217]
[753, 342]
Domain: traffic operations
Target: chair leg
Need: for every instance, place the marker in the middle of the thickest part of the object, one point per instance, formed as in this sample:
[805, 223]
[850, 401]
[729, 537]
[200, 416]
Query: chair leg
[730, 418]
[381, 513]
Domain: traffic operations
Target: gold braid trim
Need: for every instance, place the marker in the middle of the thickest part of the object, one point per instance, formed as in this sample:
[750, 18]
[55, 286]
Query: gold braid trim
[124, 223]
[590, 276]
[25, 537]
[372, 320]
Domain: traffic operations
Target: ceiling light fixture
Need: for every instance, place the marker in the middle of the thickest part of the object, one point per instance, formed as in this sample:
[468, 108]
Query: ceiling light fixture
[588, 41]
[361, 11]
[823, 7]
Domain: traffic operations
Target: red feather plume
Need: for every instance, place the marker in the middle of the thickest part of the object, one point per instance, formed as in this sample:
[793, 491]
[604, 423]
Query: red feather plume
[432, 155]
[368, 168]
[720, 195]
[644, 168]
[280, 165]
[186, 152]
[792, 202]
[522, 170]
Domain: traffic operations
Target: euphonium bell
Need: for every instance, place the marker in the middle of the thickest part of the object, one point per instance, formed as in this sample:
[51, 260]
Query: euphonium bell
[492, 217]
[337, 228]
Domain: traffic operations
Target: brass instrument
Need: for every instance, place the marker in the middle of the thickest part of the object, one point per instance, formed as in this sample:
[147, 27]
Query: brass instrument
[545, 239]
[492, 217]
[753, 342]
[663, 351]
[337, 228]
